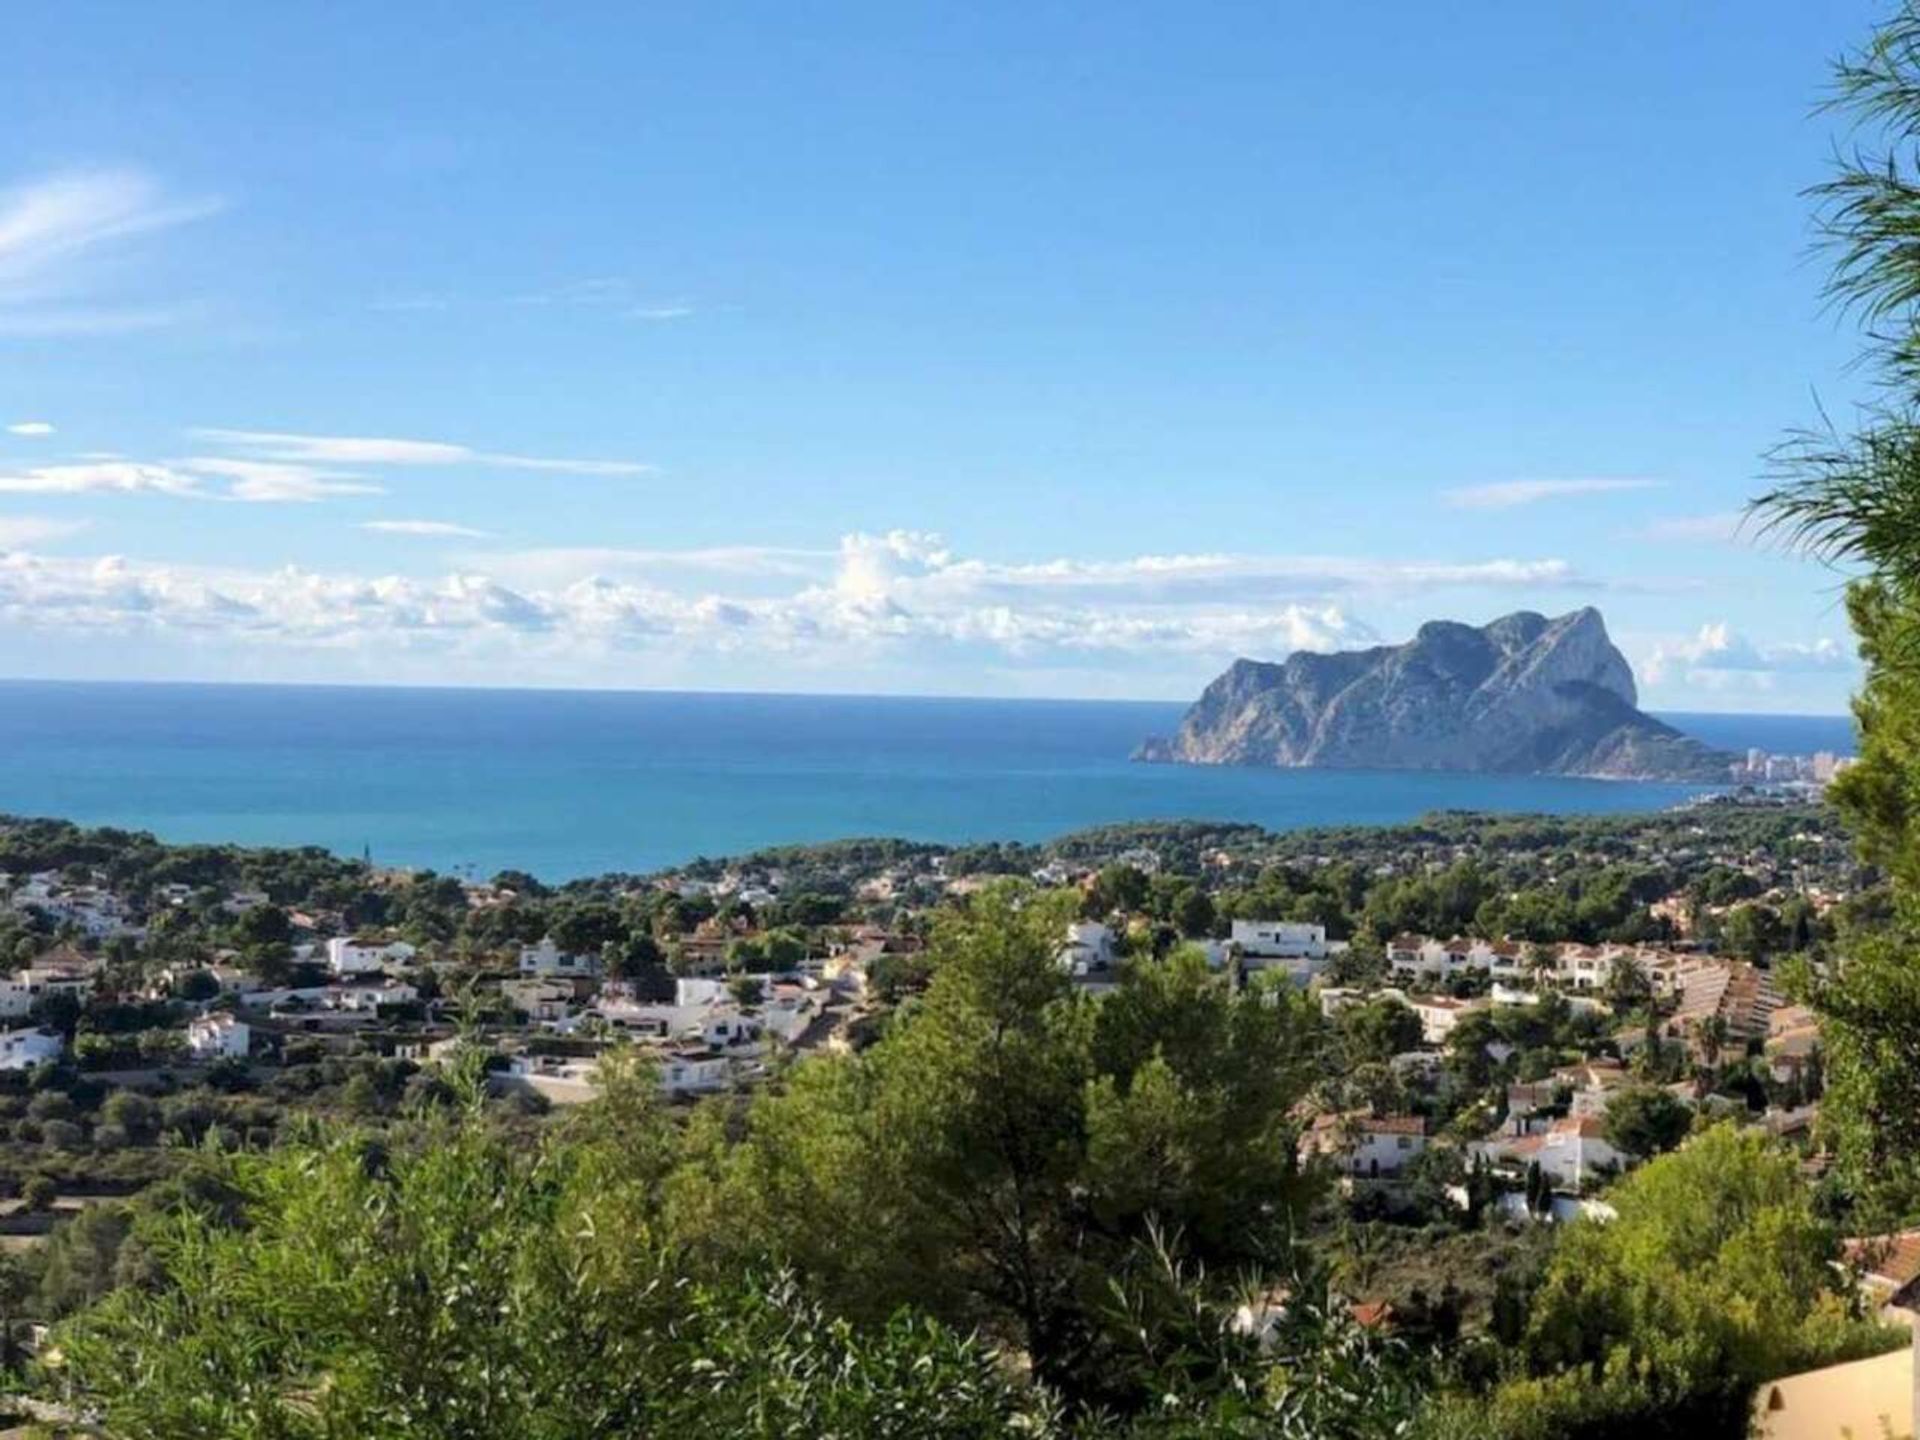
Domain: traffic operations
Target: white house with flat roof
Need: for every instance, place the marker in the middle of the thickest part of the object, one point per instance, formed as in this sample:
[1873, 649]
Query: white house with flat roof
[1439, 1014]
[1088, 956]
[1299, 948]
[219, 1036]
[548, 961]
[359, 955]
[24, 1049]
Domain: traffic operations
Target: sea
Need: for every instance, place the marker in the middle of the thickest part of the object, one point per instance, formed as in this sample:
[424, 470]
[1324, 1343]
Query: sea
[571, 783]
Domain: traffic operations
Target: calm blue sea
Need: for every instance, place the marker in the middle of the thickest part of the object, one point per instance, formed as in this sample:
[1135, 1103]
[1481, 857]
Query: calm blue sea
[568, 783]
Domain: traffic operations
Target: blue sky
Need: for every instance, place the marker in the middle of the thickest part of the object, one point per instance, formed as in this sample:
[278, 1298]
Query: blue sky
[1007, 349]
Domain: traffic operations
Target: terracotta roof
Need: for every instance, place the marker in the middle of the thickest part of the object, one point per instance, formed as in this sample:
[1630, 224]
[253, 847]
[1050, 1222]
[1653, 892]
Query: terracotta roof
[1790, 1018]
[1793, 1044]
[1587, 1127]
[65, 956]
[1371, 1314]
[1592, 1074]
[1893, 1259]
[1394, 1124]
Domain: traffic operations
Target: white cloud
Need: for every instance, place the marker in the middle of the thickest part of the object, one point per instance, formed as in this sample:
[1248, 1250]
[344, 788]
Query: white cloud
[1723, 527]
[872, 567]
[249, 481]
[369, 450]
[1506, 494]
[873, 602]
[468, 611]
[125, 477]
[1717, 654]
[32, 429]
[911, 566]
[595, 292]
[19, 531]
[612, 295]
[753, 565]
[917, 568]
[273, 482]
[422, 528]
[55, 231]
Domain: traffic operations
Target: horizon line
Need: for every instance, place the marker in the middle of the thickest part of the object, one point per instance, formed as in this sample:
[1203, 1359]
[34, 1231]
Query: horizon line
[456, 687]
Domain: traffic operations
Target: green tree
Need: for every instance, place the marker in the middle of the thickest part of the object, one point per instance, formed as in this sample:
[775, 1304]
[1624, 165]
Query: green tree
[263, 926]
[1379, 1030]
[1645, 1121]
[1627, 985]
[57, 1011]
[1715, 1274]
[1192, 912]
[1869, 1034]
[473, 1286]
[197, 985]
[1752, 932]
[1014, 1142]
[1466, 1047]
[1117, 887]
[82, 1260]
[1853, 497]
[16, 1285]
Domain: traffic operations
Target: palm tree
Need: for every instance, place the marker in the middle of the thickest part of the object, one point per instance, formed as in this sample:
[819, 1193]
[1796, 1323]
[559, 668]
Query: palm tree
[1855, 499]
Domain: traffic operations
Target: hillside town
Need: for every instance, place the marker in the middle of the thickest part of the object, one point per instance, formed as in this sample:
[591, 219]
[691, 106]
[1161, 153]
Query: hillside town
[1500, 1019]
[1488, 1024]
[1494, 1058]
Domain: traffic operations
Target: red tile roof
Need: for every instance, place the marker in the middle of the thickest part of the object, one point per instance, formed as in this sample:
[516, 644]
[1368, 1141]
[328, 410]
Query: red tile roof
[1894, 1259]
[1372, 1314]
[1394, 1124]
[1587, 1127]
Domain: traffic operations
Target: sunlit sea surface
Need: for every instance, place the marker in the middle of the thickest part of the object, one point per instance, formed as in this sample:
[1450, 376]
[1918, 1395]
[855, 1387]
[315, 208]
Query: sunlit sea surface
[568, 783]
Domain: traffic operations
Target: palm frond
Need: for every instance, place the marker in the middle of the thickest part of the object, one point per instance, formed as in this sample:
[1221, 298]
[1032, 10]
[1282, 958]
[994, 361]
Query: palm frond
[1848, 499]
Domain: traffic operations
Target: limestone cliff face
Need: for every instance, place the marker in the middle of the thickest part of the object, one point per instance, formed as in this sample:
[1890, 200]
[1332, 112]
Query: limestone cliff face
[1524, 695]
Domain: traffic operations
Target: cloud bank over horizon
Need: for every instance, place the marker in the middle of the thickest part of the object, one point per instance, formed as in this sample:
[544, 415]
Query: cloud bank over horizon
[899, 604]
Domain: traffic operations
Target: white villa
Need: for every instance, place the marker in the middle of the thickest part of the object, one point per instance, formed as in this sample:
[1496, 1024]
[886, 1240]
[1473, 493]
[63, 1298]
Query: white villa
[1300, 949]
[548, 961]
[692, 1071]
[1439, 1014]
[360, 955]
[1088, 955]
[1701, 983]
[24, 1049]
[544, 1002]
[219, 1036]
[61, 971]
[1421, 956]
[97, 913]
[1569, 1152]
[1366, 1147]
